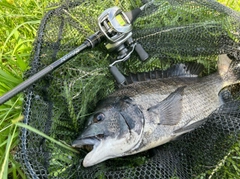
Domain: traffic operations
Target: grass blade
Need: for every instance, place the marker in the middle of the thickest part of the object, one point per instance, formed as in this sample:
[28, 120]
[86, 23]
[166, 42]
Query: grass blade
[46, 136]
[4, 168]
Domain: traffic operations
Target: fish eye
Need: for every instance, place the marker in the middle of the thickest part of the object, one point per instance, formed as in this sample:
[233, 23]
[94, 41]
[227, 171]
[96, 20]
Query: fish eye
[98, 117]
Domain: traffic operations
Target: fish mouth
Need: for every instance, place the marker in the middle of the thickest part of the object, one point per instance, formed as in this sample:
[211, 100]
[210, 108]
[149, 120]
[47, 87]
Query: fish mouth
[88, 143]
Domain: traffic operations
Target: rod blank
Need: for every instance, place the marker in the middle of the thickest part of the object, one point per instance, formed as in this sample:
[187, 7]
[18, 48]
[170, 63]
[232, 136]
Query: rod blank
[43, 72]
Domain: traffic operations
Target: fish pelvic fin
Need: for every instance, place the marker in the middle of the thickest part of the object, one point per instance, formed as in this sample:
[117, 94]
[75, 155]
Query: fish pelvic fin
[189, 127]
[229, 70]
[170, 109]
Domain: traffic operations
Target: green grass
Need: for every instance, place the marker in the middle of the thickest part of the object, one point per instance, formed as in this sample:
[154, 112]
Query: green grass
[19, 23]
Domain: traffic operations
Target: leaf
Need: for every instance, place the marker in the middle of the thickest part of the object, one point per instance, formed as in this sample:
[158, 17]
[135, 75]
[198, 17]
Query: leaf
[21, 63]
[15, 30]
[4, 168]
[7, 77]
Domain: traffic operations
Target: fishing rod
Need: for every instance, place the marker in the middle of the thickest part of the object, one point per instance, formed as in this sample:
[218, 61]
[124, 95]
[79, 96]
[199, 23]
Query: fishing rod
[116, 29]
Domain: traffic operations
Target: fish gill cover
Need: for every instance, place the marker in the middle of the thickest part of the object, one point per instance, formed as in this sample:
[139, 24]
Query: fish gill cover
[171, 31]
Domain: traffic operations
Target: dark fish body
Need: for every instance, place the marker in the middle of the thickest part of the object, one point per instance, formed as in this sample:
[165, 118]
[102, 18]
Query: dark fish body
[143, 115]
[193, 99]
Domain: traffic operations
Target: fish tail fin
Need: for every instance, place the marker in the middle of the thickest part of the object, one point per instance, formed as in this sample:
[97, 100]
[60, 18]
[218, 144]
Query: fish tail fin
[229, 70]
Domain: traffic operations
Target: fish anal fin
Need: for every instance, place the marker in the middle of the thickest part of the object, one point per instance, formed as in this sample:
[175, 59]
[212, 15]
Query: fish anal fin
[170, 109]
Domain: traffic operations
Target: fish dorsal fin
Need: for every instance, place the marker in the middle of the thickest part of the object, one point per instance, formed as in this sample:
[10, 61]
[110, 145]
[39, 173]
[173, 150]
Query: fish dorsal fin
[169, 110]
[190, 69]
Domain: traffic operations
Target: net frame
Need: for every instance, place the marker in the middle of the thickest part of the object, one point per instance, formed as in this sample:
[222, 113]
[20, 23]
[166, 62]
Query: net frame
[41, 171]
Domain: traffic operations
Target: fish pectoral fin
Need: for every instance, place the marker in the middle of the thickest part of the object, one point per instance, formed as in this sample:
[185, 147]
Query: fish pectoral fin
[170, 109]
[189, 127]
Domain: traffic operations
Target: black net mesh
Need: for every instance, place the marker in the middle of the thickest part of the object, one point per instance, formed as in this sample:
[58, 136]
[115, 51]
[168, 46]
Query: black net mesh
[171, 31]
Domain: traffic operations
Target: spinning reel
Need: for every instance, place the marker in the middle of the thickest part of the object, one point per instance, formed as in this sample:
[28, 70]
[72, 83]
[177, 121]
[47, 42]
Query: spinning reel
[116, 29]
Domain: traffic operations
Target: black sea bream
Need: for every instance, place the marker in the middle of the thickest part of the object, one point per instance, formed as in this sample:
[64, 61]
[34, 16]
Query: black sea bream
[143, 115]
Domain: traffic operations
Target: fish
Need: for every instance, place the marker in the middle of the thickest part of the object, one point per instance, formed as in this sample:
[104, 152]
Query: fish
[146, 114]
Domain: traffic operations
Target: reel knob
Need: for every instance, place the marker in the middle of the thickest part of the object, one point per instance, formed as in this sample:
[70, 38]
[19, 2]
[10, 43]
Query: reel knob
[117, 75]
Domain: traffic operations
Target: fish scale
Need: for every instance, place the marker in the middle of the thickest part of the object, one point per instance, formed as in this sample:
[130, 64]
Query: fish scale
[197, 96]
[151, 113]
